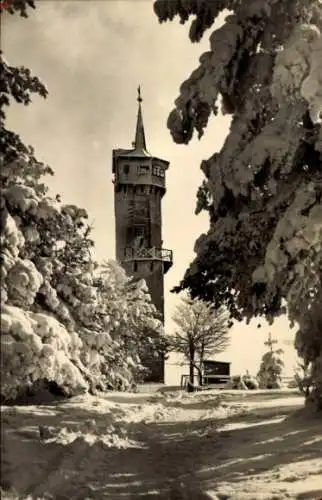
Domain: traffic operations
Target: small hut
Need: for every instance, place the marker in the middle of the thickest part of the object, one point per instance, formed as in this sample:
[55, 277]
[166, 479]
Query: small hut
[215, 372]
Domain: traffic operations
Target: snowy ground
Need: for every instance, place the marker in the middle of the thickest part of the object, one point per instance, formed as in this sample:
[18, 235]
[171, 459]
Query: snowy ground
[222, 446]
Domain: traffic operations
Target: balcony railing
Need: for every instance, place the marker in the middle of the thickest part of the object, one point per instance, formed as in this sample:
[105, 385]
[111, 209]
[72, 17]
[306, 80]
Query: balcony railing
[148, 254]
[159, 254]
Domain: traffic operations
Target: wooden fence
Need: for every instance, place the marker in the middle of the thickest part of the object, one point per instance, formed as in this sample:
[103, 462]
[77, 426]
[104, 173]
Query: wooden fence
[221, 381]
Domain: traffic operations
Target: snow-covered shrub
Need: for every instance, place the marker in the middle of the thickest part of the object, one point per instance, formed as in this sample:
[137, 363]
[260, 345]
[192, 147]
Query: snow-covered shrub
[243, 382]
[250, 382]
[134, 324]
[36, 346]
[270, 371]
[237, 383]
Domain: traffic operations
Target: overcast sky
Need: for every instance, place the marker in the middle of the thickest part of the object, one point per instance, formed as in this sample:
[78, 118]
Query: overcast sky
[92, 55]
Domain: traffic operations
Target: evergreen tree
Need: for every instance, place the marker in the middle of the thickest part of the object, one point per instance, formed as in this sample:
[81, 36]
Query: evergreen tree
[263, 190]
[270, 371]
[138, 329]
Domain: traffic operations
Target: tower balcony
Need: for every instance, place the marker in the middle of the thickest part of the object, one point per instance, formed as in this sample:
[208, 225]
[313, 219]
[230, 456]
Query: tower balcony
[149, 254]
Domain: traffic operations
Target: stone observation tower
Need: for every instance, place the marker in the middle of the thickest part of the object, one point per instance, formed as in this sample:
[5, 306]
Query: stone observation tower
[139, 185]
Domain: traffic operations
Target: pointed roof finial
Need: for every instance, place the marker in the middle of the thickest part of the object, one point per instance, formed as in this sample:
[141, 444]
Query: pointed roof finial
[139, 99]
[139, 142]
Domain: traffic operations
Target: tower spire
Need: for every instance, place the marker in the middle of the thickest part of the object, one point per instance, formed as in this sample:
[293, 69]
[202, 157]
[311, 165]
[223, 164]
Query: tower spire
[139, 142]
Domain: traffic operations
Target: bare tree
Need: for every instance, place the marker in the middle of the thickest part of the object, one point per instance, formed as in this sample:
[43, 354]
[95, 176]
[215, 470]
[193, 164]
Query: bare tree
[202, 331]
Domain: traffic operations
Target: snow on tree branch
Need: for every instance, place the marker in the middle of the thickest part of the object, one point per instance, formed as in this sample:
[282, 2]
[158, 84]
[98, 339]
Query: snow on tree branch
[202, 330]
[262, 191]
[298, 69]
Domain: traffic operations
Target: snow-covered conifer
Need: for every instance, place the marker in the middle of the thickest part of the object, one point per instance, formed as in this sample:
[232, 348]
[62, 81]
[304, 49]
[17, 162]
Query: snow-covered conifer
[263, 190]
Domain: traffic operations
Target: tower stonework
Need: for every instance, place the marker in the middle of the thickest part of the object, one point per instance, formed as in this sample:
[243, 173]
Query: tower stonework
[139, 185]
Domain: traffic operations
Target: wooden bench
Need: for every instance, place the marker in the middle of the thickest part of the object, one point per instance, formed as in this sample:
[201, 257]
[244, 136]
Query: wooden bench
[222, 381]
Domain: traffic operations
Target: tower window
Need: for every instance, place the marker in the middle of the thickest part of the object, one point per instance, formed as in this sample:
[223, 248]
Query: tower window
[135, 267]
[143, 169]
[158, 171]
[126, 169]
[139, 231]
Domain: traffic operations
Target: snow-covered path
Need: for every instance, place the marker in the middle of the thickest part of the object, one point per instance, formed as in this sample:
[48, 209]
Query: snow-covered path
[236, 446]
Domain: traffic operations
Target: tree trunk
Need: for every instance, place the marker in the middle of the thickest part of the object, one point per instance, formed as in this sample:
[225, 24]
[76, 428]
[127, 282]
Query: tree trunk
[199, 374]
[191, 376]
[191, 369]
[202, 354]
[314, 394]
[309, 337]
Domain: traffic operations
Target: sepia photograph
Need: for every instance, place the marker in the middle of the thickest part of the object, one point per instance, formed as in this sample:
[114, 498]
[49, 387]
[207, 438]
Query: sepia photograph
[161, 249]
